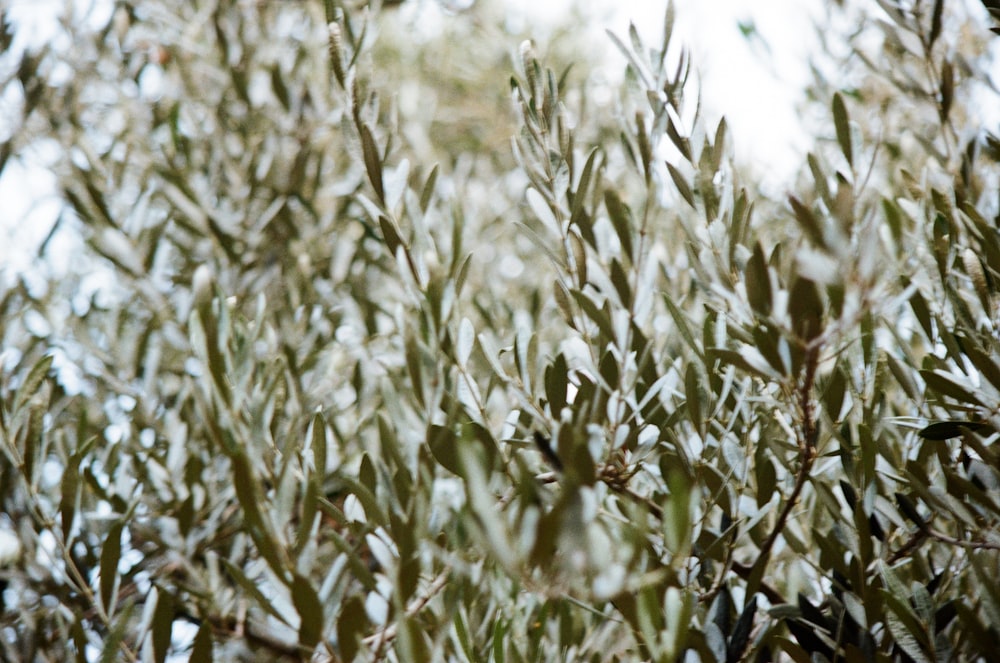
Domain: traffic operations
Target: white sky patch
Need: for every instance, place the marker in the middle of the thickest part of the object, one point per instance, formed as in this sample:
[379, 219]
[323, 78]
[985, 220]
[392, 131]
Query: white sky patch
[751, 60]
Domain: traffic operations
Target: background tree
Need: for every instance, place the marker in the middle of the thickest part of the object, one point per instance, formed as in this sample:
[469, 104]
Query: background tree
[338, 374]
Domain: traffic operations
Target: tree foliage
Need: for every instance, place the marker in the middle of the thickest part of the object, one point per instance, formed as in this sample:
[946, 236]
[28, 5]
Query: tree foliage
[339, 373]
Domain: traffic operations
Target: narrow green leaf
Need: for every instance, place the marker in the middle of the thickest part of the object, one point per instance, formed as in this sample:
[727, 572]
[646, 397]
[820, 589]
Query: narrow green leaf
[390, 234]
[947, 89]
[843, 127]
[351, 625]
[681, 184]
[444, 447]
[31, 383]
[373, 161]
[719, 144]
[946, 430]
[805, 307]
[318, 443]
[310, 609]
[248, 586]
[248, 493]
[110, 556]
[810, 224]
[556, 382]
[163, 624]
[758, 281]
[33, 440]
[595, 314]
[619, 279]
[682, 326]
[499, 637]
[562, 297]
[69, 489]
[428, 191]
[201, 648]
[621, 219]
[945, 384]
[462, 634]
[935, 22]
[579, 253]
[693, 392]
[414, 363]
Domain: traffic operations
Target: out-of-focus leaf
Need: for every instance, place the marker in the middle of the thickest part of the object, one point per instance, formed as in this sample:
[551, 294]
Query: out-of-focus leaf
[597, 315]
[390, 234]
[69, 489]
[619, 279]
[681, 184]
[620, 219]
[947, 89]
[110, 556]
[443, 444]
[682, 325]
[466, 339]
[556, 382]
[373, 161]
[810, 224]
[677, 515]
[945, 384]
[579, 254]
[237, 574]
[428, 191]
[351, 625]
[741, 633]
[310, 610]
[32, 382]
[201, 648]
[806, 309]
[758, 281]
[843, 127]
[163, 624]
[542, 210]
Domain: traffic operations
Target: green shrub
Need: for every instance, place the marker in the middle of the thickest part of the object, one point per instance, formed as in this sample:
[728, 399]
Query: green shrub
[336, 374]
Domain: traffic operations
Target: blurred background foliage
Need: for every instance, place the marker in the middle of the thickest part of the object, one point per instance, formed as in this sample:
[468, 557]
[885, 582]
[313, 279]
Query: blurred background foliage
[395, 340]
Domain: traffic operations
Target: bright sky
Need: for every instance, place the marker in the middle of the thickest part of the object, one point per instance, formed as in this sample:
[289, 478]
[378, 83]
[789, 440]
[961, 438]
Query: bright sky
[754, 81]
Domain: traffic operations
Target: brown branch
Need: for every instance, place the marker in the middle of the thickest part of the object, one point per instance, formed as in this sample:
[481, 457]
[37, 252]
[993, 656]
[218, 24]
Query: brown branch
[388, 634]
[924, 531]
[806, 434]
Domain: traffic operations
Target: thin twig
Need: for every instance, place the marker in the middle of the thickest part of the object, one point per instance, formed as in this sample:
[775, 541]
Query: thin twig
[807, 449]
[388, 634]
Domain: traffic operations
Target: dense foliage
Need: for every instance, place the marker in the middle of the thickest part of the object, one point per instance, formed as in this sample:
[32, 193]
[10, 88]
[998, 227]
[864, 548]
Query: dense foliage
[340, 372]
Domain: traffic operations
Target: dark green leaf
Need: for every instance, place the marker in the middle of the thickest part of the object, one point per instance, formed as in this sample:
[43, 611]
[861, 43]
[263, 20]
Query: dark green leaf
[946, 430]
[758, 281]
[443, 445]
[310, 610]
[621, 219]
[69, 489]
[681, 184]
[30, 387]
[842, 124]
[201, 648]
[806, 309]
[373, 161]
[110, 556]
[428, 191]
[556, 382]
[163, 624]
[390, 234]
[810, 224]
[351, 626]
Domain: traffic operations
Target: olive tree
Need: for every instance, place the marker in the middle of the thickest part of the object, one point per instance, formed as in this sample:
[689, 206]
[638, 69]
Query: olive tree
[385, 345]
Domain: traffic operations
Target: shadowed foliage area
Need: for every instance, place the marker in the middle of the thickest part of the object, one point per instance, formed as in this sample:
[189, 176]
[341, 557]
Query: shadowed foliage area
[383, 337]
